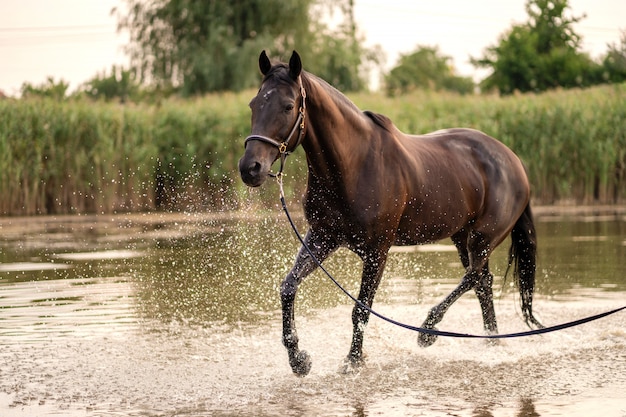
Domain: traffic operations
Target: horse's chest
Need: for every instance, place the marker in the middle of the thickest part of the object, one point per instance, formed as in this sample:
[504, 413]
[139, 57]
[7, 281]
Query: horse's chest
[323, 213]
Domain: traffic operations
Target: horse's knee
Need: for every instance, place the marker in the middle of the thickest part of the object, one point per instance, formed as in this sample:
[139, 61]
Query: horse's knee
[288, 288]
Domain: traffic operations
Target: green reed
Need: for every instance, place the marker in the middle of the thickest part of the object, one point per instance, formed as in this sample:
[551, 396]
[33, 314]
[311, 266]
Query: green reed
[86, 157]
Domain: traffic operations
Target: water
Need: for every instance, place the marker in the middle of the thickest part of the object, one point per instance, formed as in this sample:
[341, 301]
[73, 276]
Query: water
[178, 315]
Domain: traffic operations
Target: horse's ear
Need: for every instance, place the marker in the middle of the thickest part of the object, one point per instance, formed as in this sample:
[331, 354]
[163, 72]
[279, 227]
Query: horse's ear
[264, 63]
[295, 66]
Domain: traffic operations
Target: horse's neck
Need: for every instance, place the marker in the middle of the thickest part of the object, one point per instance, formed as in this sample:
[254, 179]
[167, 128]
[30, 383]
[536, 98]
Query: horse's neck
[334, 129]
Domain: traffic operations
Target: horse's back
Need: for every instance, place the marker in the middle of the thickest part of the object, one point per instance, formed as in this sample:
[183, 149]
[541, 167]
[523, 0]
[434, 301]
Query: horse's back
[461, 135]
[461, 176]
[468, 147]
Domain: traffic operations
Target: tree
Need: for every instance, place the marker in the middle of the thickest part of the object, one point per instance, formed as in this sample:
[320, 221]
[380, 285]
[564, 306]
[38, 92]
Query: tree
[120, 85]
[196, 45]
[552, 28]
[426, 69]
[336, 54]
[540, 54]
[52, 89]
[614, 63]
[199, 46]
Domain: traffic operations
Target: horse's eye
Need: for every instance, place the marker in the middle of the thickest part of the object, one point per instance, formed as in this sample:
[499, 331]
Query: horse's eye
[288, 108]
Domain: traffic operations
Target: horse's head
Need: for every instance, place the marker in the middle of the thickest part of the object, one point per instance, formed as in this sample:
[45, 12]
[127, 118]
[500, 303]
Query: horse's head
[278, 112]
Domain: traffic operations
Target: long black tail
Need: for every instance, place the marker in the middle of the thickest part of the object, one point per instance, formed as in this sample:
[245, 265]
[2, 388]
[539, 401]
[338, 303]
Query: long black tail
[523, 254]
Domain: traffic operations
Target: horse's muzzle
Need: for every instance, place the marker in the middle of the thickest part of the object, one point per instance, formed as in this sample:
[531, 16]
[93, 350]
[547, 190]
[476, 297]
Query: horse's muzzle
[256, 162]
[252, 172]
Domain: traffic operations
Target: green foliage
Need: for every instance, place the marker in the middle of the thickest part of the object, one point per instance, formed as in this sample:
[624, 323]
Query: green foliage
[56, 90]
[203, 46]
[337, 54]
[551, 26]
[540, 54]
[81, 157]
[425, 69]
[120, 85]
[614, 63]
[76, 156]
[198, 46]
[71, 157]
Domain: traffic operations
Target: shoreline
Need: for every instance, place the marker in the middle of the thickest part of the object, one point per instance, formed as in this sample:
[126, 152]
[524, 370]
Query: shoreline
[540, 213]
[590, 211]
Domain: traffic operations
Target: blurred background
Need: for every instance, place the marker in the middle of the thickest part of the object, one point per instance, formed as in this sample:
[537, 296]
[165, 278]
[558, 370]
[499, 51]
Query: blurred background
[127, 105]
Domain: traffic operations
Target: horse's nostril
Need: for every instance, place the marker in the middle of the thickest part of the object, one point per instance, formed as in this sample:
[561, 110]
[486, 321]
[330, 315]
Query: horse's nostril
[254, 168]
[251, 171]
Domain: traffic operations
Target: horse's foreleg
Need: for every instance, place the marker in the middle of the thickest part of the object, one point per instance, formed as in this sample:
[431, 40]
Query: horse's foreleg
[372, 272]
[299, 360]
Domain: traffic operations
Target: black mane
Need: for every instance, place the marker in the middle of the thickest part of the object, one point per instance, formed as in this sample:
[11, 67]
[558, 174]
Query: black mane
[381, 120]
[280, 72]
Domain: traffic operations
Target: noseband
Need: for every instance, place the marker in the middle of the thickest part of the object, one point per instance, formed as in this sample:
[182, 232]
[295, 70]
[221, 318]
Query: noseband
[283, 147]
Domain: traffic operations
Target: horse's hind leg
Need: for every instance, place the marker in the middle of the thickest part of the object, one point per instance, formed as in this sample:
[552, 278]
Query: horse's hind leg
[484, 292]
[478, 250]
[460, 241]
[435, 315]
[483, 288]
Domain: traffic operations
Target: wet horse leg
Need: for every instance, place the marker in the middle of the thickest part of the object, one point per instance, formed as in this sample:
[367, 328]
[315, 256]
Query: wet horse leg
[435, 315]
[484, 292]
[460, 241]
[373, 266]
[300, 361]
[484, 287]
[478, 251]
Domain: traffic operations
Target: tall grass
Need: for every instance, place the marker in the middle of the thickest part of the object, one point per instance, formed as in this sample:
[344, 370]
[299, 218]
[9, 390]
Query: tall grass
[79, 156]
[74, 158]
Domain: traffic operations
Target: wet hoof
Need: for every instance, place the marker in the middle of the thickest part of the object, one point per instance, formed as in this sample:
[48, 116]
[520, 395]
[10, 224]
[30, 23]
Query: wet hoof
[351, 365]
[349, 368]
[300, 363]
[425, 340]
[533, 323]
[493, 342]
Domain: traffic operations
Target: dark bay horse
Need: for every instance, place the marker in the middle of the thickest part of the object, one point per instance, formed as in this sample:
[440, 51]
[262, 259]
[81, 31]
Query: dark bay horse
[371, 186]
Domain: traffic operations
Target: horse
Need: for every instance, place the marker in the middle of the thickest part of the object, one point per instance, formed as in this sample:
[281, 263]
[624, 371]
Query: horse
[370, 186]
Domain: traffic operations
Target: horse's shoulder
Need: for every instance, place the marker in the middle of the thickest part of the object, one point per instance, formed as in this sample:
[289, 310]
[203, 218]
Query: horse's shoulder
[380, 120]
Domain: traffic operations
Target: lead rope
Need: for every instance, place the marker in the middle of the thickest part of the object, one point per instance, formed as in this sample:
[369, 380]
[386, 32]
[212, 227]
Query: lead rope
[434, 332]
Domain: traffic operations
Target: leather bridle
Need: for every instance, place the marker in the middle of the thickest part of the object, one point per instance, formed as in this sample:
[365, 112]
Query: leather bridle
[283, 147]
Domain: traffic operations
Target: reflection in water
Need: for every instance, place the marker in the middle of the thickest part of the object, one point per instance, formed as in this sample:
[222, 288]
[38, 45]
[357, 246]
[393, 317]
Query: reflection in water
[527, 408]
[359, 411]
[179, 315]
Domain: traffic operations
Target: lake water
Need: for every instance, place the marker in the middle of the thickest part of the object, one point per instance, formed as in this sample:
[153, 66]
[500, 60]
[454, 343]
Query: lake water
[179, 315]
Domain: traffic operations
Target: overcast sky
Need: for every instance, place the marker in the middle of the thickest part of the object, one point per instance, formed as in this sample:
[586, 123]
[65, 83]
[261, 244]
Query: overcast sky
[75, 39]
